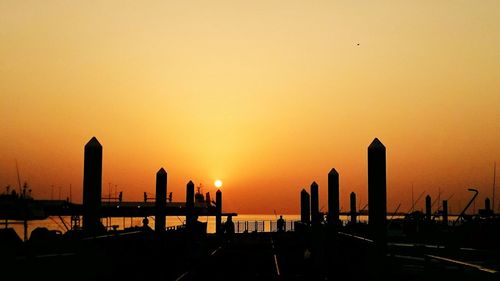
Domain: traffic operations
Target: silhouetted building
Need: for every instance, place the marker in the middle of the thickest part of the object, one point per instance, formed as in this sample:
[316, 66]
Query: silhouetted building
[333, 197]
[377, 198]
[161, 200]
[92, 187]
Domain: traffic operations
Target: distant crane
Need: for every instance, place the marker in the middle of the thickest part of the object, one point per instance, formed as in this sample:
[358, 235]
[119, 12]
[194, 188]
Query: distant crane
[476, 192]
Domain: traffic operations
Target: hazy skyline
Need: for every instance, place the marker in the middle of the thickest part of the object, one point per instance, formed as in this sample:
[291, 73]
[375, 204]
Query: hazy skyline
[267, 96]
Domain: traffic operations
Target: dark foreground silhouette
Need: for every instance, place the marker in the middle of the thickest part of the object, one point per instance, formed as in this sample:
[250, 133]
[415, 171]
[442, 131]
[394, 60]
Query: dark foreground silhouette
[308, 253]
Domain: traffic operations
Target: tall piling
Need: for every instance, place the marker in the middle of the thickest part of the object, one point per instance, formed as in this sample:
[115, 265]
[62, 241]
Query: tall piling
[189, 203]
[315, 216]
[305, 207]
[218, 209]
[353, 212]
[377, 193]
[487, 205]
[92, 187]
[428, 208]
[161, 200]
[445, 212]
[333, 198]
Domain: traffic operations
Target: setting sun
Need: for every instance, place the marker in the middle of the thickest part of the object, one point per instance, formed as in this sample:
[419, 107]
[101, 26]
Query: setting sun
[218, 183]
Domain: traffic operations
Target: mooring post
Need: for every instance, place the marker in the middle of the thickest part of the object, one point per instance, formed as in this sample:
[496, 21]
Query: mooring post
[353, 208]
[428, 208]
[315, 216]
[333, 198]
[189, 203]
[445, 212]
[92, 187]
[377, 193]
[160, 201]
[218, 210]
[305, 207]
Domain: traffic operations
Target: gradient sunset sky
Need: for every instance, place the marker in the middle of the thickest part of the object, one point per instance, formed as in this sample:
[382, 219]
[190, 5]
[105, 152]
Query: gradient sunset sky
[267, 96]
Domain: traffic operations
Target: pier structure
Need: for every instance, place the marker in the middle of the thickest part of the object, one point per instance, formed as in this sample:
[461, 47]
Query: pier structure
[310, 254]
[94, 209]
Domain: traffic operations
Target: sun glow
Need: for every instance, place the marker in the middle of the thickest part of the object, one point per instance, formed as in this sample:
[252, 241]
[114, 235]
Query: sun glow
[218, 183]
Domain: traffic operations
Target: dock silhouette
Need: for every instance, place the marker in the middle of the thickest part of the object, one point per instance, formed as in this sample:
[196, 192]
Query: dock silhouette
[319, 246]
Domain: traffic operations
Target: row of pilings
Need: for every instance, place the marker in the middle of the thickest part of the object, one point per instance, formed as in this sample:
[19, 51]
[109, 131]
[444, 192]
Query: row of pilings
[377, 202]
[92, 191]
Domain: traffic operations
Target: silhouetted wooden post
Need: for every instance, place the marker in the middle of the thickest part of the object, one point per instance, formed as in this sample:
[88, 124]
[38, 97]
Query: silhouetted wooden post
[189, 203]
[487, 205]
[315, 203]
[445, 212]
[353, 208]
[305, 207]
[161, 200]
[428, 208]
[377, 198]
[333, 198]
[92, 186]
[218, 210]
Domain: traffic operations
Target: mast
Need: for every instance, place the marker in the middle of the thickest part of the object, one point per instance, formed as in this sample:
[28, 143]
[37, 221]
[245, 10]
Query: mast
[18, 179]
[412, 199]
[494, 178]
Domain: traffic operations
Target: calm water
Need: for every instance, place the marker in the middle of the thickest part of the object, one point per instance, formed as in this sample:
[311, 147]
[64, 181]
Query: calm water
[242, 222]
[55, 223]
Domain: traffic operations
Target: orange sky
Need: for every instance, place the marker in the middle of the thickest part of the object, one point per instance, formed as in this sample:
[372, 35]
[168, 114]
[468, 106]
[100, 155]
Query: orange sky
[265, 95]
